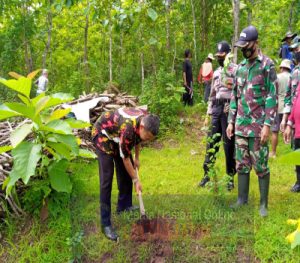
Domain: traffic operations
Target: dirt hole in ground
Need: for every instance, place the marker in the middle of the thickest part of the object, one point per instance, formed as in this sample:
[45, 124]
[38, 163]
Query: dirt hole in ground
[161, 229]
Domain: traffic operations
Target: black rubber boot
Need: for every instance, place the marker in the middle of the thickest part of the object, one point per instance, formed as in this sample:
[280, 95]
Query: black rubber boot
[110, 233]
[204, 181]
[243, 190]
[264, 183]
[296, 187]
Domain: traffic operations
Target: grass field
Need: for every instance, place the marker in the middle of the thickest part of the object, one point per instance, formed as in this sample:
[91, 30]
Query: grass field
[207, 230]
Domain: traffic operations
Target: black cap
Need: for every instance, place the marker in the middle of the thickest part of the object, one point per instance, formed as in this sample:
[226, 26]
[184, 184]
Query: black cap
[247, 35]
[222, 47]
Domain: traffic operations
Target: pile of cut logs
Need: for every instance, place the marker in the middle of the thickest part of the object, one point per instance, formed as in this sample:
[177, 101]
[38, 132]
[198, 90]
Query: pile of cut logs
[109, 101]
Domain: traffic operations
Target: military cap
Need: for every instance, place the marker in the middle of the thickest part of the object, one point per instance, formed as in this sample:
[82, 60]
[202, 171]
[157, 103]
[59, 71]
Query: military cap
[247, 35]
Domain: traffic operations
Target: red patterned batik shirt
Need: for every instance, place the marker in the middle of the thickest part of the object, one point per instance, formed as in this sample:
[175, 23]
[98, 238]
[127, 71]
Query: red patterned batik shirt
[117, 132]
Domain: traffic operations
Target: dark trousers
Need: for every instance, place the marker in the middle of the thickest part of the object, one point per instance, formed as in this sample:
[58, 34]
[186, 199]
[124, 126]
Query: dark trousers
[206, 90]
[296, 147]
[107, 163]
[187, 97]
[219, 125]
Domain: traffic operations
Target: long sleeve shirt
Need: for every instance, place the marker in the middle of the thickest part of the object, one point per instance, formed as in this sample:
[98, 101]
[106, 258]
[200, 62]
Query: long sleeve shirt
[294, 118]
[254, 97]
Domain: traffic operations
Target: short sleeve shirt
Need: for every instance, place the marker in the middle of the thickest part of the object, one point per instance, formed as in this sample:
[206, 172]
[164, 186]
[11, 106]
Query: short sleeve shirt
[117, 132]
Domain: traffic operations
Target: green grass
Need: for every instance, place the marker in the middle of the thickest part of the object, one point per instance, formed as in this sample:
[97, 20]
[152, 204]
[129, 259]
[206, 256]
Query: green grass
[169, 176]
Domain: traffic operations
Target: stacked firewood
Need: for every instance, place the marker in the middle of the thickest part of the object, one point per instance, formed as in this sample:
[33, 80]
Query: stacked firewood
[109, 101]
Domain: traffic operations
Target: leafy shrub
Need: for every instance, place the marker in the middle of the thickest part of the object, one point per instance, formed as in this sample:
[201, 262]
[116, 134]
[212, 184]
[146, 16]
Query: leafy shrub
[52, 143]
[163, 98]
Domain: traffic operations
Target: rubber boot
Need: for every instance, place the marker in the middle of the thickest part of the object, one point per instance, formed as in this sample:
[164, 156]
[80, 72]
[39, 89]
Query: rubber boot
[296, 187]
[243, 190]
[264, 183]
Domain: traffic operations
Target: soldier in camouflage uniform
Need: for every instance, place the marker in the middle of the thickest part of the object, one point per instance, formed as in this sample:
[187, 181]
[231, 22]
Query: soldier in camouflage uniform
[218, 108]
[252, 111]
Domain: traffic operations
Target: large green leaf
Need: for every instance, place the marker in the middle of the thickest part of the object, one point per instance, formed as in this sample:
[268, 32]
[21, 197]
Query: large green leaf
[58, 114]
[87, 154]
[152, 14]
[21, 85]
[6, 112]
[69, 141]
[59, 179]
[77, 124]
[41, 104]
[57, 126]
[19, 134]
[292, 158]
[26, 156]
[58, 98]
[22, 109]
[60, 149]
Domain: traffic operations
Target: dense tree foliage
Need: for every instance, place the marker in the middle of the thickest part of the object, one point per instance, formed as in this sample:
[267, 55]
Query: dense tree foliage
[86, 43]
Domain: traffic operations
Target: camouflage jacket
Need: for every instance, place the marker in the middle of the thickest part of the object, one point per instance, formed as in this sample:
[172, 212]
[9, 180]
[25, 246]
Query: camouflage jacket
[221, 85]
[291, 89]
[254, 97]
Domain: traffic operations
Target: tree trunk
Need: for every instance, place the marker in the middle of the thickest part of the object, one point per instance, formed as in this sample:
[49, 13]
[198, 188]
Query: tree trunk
[85, 58]
[291, 15]
[195, 35]
[142, 70]
[49, 23]
[174, 57]
[110, 53]
[249, 20]
[236, 16]
[26, 43]
[168, 24]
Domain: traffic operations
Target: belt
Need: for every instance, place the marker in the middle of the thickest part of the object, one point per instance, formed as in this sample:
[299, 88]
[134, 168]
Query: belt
[221, 101]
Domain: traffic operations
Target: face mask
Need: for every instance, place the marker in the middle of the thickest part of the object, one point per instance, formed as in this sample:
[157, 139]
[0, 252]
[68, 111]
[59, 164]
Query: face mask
[221, 61]
[248, 52]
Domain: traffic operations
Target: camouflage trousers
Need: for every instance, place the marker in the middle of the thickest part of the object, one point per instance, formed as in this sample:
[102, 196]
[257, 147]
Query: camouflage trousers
[250, 152]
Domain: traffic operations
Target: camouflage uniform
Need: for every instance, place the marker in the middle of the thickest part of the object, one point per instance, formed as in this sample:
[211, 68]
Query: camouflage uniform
[253, 105]
[218, 105]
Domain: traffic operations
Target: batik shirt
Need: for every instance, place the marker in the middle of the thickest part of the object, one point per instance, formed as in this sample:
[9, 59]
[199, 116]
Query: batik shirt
[291, 89]
[117, 132]
[254, 97]
[221, 86]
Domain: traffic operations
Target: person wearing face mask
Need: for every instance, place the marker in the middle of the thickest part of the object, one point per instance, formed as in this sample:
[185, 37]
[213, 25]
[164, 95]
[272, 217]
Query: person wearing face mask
[218, 107]
[253, 109]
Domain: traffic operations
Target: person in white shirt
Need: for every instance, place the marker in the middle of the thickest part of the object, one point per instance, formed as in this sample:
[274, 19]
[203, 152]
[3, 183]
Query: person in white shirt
[42, 82]
[284, 80]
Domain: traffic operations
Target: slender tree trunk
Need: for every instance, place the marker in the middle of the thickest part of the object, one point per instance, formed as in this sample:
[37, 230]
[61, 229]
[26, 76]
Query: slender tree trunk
[142, 70]
[195, 34]
[249, 20]
[236, 16]
[168, 23]
[110, 53]
[85, 58]
[291, 15]
[27, 48]
[49, 23]
[174, 57]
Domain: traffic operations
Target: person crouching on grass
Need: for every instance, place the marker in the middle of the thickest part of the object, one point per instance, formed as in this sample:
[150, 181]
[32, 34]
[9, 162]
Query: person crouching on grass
[114, 135]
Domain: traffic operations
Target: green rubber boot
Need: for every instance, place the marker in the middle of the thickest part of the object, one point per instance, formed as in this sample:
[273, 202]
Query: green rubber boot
[243, 190]
[264, 183]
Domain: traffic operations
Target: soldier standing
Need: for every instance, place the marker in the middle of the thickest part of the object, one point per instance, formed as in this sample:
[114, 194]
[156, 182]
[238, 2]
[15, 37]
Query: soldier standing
[218, 108]
[253, 108]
